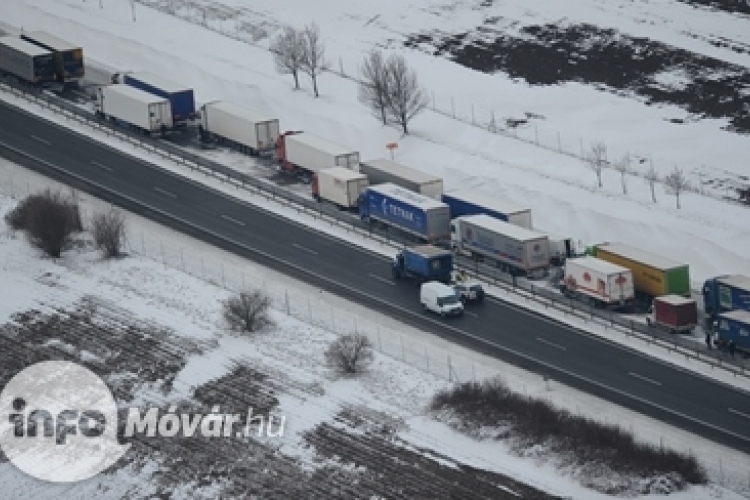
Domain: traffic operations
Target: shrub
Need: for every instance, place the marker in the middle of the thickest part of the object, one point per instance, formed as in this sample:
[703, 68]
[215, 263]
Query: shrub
[49, 219]
[247, 311]
[350, 353]
[108, 230]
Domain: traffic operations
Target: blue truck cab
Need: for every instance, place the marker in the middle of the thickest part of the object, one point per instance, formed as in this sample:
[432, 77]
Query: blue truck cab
[423, 263]
[734, 326]
[726, 293]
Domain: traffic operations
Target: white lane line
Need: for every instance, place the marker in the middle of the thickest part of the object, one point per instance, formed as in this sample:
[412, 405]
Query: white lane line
[43, 141]
[737, 412]
[471, 313]
[164, 192]
[239, 223]
[646, 379]
[380, 278]
[304, 249]
[558, 346]
[100, 165]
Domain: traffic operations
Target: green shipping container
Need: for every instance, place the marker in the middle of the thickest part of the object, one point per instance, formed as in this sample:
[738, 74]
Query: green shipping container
[653, 275]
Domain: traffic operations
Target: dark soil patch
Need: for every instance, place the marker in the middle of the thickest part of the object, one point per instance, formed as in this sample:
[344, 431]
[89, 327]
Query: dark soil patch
[552, 54]
[731, 6]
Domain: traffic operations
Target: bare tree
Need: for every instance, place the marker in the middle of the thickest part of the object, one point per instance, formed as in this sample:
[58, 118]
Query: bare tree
[623, 166]
[350, 353]
[108, 229]
[406, 97]
[373, 88]
[596, 159]
[676, 183]
[313, 51]
[288, 53]
[652, 177]
[247, 311]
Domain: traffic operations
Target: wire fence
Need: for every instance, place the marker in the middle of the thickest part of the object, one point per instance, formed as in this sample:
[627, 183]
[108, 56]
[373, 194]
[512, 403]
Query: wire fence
[542, 295]
[229, 22]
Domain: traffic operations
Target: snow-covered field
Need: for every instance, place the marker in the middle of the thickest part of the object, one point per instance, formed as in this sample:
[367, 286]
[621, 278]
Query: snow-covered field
[707, 233]
[291, 355]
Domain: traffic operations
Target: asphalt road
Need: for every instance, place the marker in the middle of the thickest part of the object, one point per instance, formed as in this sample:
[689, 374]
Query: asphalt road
[527, 339]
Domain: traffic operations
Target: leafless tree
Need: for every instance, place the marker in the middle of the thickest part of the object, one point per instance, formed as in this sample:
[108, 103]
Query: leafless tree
[596, 159]
[288, 53]
[313, 51]
[676, 183]
[373, 87]
[406, 97]
[247, 311]
[652, 177]
[623, 166]
[108, 229]
[350, 353]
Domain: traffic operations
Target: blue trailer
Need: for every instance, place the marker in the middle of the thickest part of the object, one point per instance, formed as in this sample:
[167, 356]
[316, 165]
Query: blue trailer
[180, 97]
[735, 326]
[423, 263]
[466, 202]
[406, 210]
[726, 293]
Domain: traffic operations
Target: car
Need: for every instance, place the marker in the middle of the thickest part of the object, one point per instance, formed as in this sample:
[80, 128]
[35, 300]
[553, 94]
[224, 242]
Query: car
[467, 290]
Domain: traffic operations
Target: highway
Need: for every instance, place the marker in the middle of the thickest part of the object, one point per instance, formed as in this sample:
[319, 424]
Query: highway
[524, 338]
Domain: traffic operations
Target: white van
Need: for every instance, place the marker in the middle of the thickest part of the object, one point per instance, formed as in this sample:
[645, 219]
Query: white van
[441, 299]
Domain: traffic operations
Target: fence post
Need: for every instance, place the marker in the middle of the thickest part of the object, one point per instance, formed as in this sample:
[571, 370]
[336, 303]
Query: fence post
[403, 353]
[286, 301]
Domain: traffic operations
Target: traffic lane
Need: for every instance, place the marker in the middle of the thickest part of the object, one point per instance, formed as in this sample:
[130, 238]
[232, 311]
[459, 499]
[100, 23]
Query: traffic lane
[494, 332]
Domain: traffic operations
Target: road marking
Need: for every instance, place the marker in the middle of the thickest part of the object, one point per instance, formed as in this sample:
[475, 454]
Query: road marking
[239, 223]
[304, 249]
[105, 167]
[558, 346]
[646, 379]
[43, 141]
[380, 278]
[737, 412]
[471, 313]
[164, 192]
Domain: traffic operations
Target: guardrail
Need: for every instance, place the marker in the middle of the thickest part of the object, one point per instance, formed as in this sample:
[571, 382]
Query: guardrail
[543, 296]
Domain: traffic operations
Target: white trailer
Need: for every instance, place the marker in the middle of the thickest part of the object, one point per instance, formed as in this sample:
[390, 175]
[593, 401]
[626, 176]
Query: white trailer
[245, 127]
[600, 282]
[135, 107]
[310, 153]
[29, 62]
[383, 171]
[339, 185]
[515, 249]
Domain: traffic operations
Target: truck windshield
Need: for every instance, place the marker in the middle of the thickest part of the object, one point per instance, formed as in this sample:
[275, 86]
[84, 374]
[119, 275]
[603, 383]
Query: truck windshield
[448, 300]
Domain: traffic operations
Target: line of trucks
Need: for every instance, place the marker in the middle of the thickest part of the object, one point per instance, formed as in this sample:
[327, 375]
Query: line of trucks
[612, 275]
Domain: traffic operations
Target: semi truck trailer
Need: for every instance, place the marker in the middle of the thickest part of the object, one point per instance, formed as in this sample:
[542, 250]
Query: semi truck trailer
[24, 60]
[423, 263]
[181, 97]
[598, 282]
[383, 171]
[302, 153]
[243, 128]
[68, 58]
[674, 313]
[136, 108]
[466, 202]
[340, 186]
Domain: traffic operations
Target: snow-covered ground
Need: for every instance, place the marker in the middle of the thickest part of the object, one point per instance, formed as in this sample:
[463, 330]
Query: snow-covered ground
[410, 364]
[707, 233]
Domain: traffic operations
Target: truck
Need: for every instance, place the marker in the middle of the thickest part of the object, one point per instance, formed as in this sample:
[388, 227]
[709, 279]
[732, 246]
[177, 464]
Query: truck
[726, 293]
[242, 128]
[69, 68]
[28, 62]
[599, 282]
[674, 313]
[654, 275]
[514, 249]
[381, 171]
[561, 248]
[466, 202]
[413, 213]
[181, 98]
[302, 153]
[136, 108]
[734, 326]
[340, 186]
[423, 263]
